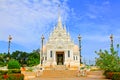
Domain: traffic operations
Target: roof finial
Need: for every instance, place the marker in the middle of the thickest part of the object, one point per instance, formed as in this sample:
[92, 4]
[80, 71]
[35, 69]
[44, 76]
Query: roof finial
[59, 18]
[58, 9]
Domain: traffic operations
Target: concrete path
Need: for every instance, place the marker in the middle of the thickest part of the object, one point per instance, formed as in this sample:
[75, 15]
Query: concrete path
[65, 75]
[80, 78]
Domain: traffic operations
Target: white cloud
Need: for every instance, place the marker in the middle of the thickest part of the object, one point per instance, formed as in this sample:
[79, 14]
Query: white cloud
[26, 20]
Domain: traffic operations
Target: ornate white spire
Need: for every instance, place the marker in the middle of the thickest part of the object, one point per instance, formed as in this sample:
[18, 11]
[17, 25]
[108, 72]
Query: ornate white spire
[59, 24]
[59, 34]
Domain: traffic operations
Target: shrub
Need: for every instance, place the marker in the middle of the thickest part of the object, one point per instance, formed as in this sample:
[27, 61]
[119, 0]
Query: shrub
[15, 77]
[116, 76]
[108, 61]
[12, 77]
[14, 71]
[10, 71]
[108, 74]
[112, 75]
[3, 72]
[1, 77]
[13, 64]
[2, 64]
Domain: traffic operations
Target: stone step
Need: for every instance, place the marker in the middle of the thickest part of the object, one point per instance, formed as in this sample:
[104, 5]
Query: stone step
[70, 74]
[59, 73]
[60, 67]
[28, 75]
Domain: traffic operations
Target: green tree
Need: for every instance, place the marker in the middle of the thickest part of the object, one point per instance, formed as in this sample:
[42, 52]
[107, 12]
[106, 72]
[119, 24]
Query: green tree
[3, 59]
[20, 56]
[108, 61]
[24, 58]
[33, 58]
[16, 55]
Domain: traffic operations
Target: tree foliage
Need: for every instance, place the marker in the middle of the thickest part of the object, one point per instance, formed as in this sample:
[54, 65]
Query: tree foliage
[33, 58]
[108, 61]
[13, 64]
[24, 58]
[3, 59]
[20, 56]
[28, 59]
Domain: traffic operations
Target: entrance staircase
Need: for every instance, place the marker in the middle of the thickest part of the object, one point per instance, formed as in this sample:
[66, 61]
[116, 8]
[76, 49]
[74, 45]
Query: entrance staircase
[58, 74]
[60, 67]
[62, 73]
[59, 71]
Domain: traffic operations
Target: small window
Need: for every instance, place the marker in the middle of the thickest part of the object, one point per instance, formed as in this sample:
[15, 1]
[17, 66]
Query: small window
[68, 53]
[45, 58]
[74, 57]
[50, 53]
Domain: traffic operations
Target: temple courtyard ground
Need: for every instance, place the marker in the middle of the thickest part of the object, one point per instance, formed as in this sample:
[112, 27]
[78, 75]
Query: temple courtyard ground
[67, 79]
[64, 75]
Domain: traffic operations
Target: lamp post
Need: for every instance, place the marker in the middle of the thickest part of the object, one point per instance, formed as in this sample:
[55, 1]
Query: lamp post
[79, 38]
[42, 38]
[9, 41]
[111, 38]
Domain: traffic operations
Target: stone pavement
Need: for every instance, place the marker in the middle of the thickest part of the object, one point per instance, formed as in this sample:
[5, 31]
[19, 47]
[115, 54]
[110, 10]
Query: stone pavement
[80, 78]
[66, 75]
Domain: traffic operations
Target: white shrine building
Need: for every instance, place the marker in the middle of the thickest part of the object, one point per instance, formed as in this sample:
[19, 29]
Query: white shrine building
[60, 49]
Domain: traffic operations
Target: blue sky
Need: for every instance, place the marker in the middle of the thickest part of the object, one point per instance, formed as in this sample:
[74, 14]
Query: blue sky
[27, 20]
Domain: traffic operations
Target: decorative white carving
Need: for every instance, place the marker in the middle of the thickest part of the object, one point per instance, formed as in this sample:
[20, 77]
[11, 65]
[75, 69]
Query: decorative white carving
[60, 40]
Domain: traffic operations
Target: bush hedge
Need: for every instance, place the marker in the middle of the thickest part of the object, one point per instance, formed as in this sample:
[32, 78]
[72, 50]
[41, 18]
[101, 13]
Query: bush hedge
[10, 71]
[112, 75]
[13, 64]
[116, 77]
[17, 76]
[3, 72]
[14, 71]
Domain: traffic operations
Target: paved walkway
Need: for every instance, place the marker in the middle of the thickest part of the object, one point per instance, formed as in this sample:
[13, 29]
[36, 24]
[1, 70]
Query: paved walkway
[80, 78]
[66, 75]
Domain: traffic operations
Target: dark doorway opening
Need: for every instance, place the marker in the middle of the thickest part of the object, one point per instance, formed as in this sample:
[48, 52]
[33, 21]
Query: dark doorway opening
[60, 58]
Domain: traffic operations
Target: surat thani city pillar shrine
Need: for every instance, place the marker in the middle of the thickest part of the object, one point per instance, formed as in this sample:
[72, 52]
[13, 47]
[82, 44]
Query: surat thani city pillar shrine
[59, 50]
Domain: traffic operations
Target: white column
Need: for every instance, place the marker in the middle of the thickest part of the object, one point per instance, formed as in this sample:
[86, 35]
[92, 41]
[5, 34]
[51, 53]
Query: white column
[54, 56]
[71, 55]
[65, 53]
[40, 57]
